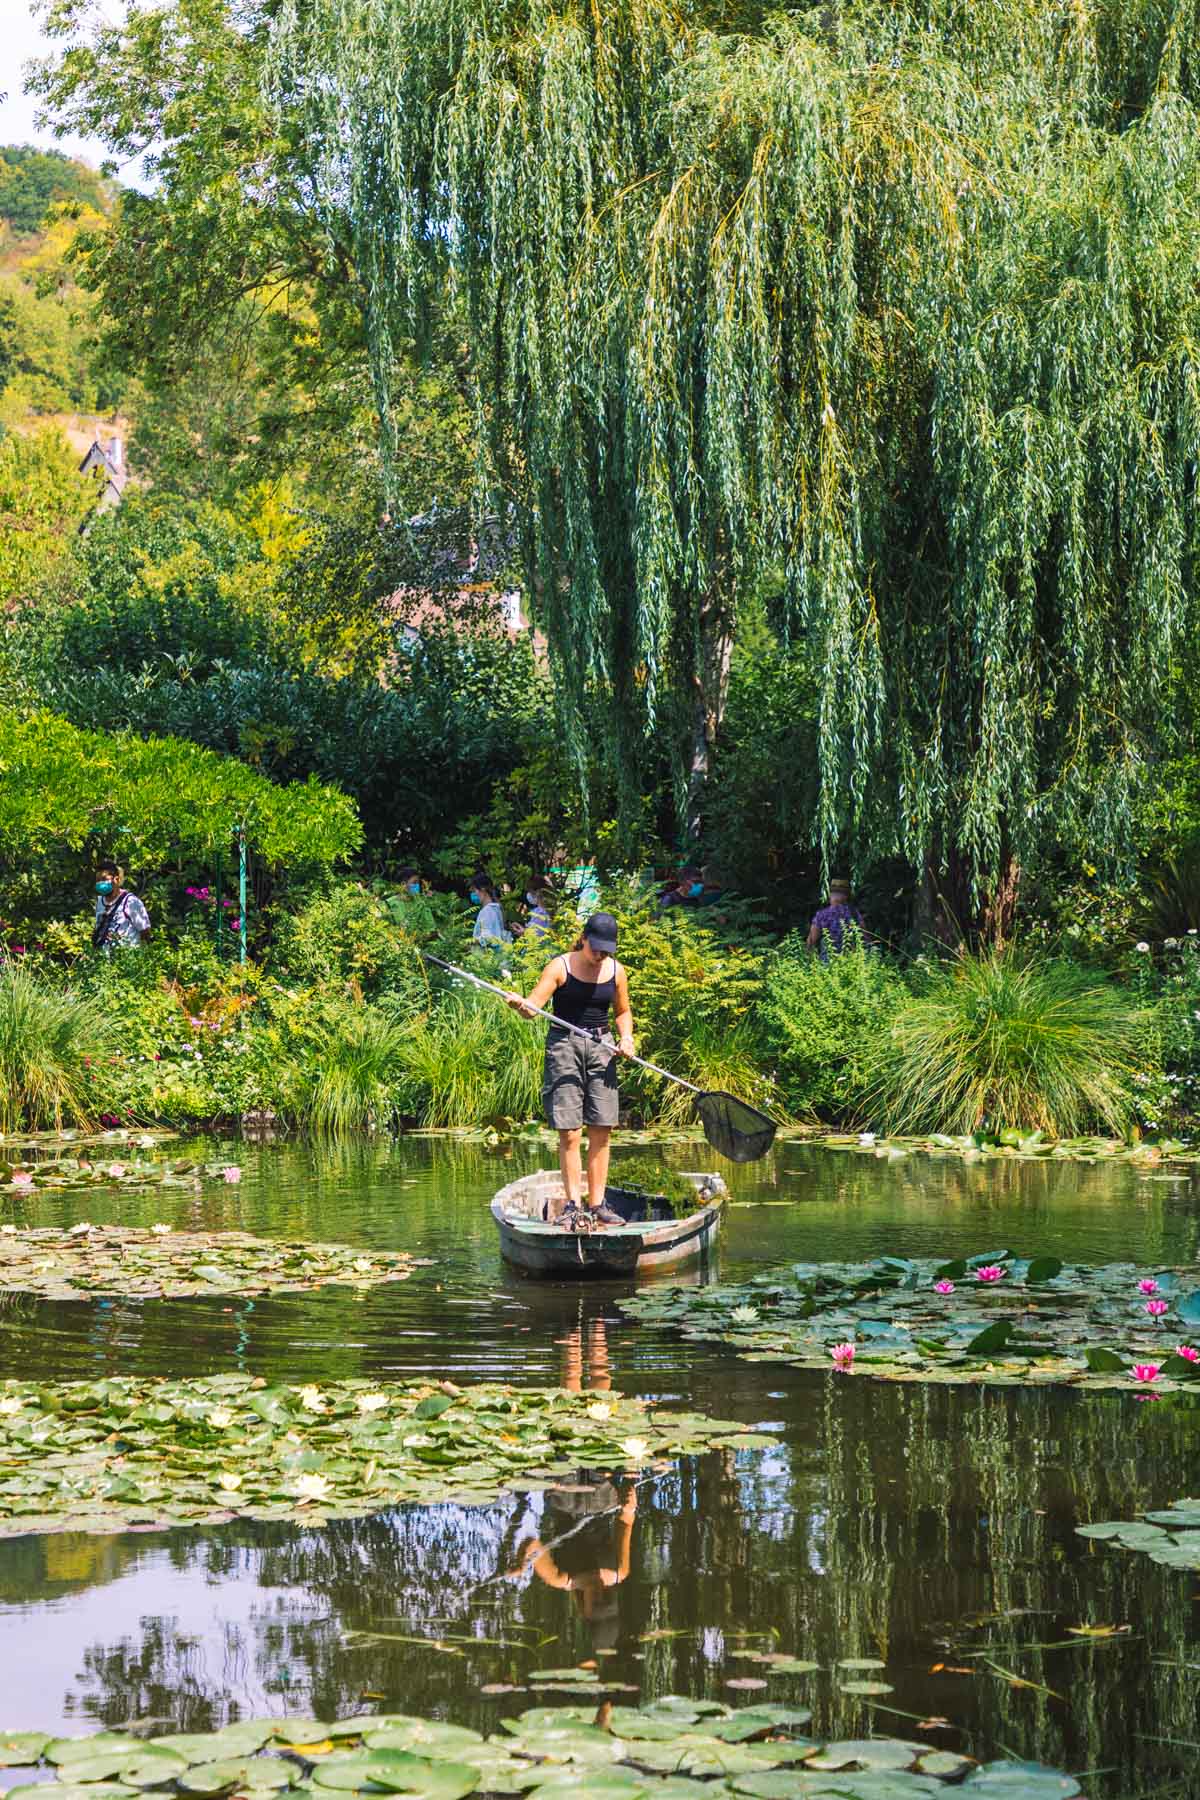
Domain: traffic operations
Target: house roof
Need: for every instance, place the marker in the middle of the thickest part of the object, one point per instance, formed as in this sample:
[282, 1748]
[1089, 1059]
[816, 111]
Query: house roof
[108, 457]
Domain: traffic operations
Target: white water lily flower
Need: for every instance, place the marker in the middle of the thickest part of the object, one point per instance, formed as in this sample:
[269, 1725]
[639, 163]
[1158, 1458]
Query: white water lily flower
[145, 1143]
[414, 1442]
[370, 1402]
[160, 1230]
[9, 1405]
[8, 1230]
[228, 1482]
[744, 1315]
[311, 1398]
[363, 1264]
[635, 1448]
[599, 1411]
[866, 1137]
[312, 1487]
[80, 1230]
[220, 1416]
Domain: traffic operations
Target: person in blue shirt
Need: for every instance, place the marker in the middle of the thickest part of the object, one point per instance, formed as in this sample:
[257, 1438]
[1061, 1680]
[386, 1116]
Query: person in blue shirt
[540, 922]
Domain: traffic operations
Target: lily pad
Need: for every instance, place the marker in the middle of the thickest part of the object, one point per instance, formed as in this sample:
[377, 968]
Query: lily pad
[100, 1455]
[261, 1774]
[18, 1747]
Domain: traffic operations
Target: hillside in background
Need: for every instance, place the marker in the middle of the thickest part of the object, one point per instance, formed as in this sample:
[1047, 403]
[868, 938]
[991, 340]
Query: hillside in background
[33, 181]
[52, 367]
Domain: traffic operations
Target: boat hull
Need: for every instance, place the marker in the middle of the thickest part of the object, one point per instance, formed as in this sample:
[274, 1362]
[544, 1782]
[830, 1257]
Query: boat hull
[640, 1248]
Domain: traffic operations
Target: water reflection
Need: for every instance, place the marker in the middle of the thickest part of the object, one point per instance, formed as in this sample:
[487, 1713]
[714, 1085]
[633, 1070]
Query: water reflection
[930, 1527]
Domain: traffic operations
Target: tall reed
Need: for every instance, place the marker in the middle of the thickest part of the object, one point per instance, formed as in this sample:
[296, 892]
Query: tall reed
[1009, 1041]
[350, 1074]
[471, 1060]
[48, 1039]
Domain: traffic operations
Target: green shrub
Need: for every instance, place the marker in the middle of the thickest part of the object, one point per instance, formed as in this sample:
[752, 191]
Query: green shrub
[345, 935]
[49, 1039]
[821, 1022]
[1005, 1041]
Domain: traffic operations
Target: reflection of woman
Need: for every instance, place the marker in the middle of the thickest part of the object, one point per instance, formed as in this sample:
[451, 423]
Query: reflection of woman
[591, 1562]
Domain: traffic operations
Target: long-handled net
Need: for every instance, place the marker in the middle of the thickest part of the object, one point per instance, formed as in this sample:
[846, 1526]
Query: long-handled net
[734, 1129]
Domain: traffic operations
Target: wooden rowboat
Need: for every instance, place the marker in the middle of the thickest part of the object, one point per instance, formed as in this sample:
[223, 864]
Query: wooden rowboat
[652, 1240]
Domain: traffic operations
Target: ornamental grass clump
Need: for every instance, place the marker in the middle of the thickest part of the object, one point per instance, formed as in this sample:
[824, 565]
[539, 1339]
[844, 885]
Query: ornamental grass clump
[49, 1040]
[1001, 1040]
[472, 1059]
[348, 1078]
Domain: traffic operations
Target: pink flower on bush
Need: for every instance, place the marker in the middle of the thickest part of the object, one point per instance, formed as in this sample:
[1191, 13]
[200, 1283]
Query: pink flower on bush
[1146, 1371]
[943, 1287]
[990, 1272]
[1187, 1352]
[232, 1174]
[1148, 1286]
[842, 1354]
[1156, 1308]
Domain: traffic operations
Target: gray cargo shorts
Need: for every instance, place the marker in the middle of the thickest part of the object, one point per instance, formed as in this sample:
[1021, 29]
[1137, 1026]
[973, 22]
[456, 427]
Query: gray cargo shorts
[579, 1081]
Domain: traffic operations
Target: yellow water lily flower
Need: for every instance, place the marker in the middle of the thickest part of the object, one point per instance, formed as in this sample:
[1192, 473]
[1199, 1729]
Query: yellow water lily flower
[228, 1482]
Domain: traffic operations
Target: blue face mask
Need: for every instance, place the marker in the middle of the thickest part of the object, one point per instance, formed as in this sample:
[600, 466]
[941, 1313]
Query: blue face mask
[414, 887]
[532, 899]
[104, 887]
[696, 889]
[475, 900]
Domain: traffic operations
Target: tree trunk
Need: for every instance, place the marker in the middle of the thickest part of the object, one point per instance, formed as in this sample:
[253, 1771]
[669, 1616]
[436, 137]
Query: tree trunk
[710, 688]
[1000, 908]
[942, 910]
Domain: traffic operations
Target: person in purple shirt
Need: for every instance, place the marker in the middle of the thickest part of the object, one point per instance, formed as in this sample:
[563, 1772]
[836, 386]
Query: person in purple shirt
[828, 929]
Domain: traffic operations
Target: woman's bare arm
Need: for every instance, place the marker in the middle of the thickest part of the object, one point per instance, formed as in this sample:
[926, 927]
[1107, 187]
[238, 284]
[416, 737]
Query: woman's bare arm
[550, 978]
[624, 1016]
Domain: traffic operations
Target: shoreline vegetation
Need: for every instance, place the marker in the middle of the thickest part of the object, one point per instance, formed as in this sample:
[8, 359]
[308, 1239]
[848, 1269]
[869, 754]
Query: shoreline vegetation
[336, 1027]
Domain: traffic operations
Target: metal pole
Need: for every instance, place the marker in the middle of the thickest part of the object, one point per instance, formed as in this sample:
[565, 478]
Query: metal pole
[241, 843]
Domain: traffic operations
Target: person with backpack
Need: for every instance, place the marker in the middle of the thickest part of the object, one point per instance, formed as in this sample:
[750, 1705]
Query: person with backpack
[121, 918]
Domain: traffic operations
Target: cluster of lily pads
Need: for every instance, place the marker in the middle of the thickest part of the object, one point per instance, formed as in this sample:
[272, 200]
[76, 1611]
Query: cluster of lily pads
[91, 1165]
[670, 1749]
[1171, 1536]
[995, 1318]
[108, 1454]
[1024, 1145]
[84, 1261]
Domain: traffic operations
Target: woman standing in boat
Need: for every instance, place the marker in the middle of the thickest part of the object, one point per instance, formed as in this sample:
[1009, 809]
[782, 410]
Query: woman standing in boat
[579, 1085]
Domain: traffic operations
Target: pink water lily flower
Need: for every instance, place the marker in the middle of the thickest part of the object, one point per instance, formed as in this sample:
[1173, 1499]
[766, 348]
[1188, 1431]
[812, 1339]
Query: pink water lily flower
[232, 1173]
[21, 1178]
[1156, 1308]
[990, 1272]
[1145, 1371]
[1188, 1353]
[943, 1287]
[1148, 1286]
[842, 1354]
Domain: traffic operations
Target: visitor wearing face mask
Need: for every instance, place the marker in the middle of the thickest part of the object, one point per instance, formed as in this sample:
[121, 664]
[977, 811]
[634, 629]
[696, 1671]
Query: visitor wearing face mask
[686, 891]
[539, 924]
[120, 916]
[409, 884]
[489, 920]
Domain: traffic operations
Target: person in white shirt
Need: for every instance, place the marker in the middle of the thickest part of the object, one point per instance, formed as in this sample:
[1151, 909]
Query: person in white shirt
[489, 920]
[121, 917]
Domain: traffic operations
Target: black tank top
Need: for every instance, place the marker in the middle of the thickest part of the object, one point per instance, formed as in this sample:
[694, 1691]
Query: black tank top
[586, 1003]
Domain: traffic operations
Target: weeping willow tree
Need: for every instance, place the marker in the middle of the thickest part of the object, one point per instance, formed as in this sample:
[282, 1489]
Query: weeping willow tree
[894, 308]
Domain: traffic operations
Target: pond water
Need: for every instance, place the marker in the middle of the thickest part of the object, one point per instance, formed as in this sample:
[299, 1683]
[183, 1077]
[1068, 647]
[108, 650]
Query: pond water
[929, 1528]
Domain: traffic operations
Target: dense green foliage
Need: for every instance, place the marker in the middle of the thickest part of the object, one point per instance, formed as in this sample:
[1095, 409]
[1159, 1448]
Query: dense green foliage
[32, 181]
[43, 501]
[856, 296]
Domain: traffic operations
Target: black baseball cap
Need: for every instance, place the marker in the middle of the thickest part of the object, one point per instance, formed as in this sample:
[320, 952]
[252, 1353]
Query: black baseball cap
[601, 933]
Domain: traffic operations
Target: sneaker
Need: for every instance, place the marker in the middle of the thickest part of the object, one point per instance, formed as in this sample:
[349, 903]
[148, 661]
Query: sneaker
[605, 1215]
[571, 1217]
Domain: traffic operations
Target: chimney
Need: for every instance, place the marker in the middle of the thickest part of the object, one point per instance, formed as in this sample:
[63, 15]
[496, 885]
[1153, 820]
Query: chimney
[116, 455]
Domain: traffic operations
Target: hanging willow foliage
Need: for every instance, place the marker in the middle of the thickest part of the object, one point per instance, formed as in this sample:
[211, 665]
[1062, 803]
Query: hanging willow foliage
[895, 305]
